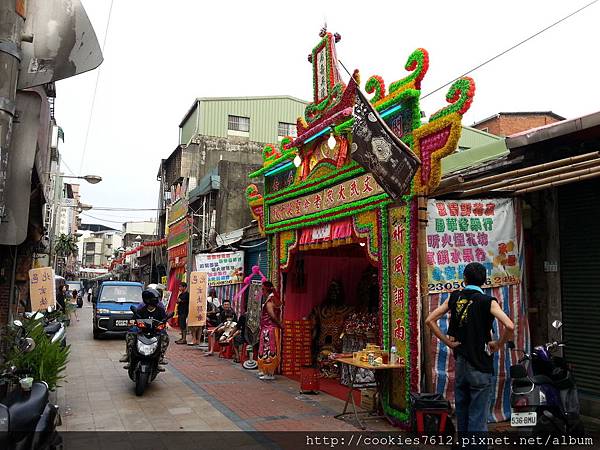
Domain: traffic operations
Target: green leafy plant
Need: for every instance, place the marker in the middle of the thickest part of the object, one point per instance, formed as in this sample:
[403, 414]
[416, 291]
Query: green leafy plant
[48, 360]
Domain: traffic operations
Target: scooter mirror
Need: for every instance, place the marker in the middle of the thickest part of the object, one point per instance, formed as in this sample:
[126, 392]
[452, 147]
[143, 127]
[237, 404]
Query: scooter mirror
[557, 324]
[50, 309]
[18, 323]
[27, 346]
[132, 308]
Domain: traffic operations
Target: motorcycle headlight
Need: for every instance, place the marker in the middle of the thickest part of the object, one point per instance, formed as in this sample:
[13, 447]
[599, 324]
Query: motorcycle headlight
[103, 311]
[146, 349]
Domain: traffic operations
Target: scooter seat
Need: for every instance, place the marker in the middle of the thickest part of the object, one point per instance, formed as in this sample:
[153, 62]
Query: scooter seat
[26, 409]
[52, 328]
[541, 379]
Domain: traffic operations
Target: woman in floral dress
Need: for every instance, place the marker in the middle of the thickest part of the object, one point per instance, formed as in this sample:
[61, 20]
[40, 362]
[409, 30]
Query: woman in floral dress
[270, 333]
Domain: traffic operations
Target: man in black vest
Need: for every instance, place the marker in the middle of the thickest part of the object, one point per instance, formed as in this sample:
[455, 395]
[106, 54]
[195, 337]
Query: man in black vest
[472, 314]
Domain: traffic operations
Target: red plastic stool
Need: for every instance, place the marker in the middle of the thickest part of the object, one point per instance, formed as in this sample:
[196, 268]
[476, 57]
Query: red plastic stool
[309, 379]
[442, 413]
[226, 351]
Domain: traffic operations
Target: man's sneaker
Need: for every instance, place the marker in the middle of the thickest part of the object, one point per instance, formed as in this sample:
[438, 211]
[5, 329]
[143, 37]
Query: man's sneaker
[161, 369]
[126, 367]
[124, 358]
[163, 361]
[267, 377]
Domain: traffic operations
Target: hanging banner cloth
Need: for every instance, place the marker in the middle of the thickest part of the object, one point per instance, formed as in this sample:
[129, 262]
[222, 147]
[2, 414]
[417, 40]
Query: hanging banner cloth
[327, 235]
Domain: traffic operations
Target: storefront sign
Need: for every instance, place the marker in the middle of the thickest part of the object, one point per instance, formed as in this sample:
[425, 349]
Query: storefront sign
[42, 290]
[198, 291]
[460, 232]
[178, 234]
[347, 192]
[177, 211]
[221, 268]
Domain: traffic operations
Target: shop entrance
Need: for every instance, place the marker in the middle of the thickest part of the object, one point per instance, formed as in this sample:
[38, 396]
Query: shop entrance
[331, 306]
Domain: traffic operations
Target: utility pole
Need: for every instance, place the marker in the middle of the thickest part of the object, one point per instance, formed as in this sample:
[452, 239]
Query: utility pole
[12, 19]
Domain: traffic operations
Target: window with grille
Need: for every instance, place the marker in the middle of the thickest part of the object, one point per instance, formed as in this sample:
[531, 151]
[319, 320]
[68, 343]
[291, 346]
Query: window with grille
[287, 129]
[237, 123]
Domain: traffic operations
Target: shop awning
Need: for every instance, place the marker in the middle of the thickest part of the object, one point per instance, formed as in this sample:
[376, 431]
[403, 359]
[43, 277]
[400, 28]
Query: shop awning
[210, 182]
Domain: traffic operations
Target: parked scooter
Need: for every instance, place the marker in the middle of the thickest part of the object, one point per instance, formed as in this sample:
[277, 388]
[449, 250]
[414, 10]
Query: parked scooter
[145, 355]
[54, 328]
[544, 400]
[27, 420]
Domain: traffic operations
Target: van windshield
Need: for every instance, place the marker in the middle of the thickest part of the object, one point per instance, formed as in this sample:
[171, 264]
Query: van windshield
[121, 294]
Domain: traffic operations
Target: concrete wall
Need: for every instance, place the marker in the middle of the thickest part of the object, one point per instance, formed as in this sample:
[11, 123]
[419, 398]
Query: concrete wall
[506, 125]
[209, 151]
[233, 212]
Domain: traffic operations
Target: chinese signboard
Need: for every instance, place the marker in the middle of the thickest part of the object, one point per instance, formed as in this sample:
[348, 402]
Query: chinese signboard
[399, 287]
[198, 290]
[349, 191]
[221, 268]
[463, 231]
[41, 288]
[178, 234]
[177, 211]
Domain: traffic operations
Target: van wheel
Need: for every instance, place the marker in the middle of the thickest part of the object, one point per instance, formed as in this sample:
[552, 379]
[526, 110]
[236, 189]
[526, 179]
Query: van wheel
[96, 334]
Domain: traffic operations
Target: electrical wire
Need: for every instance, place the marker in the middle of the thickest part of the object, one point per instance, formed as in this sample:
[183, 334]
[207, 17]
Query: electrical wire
[103, 220]
[89, 125]
[518, 44]
[497, 55]
[108, 208]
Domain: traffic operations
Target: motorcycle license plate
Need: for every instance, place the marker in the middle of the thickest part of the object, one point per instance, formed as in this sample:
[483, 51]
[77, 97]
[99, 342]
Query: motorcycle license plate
[123, 323]
[523, 419]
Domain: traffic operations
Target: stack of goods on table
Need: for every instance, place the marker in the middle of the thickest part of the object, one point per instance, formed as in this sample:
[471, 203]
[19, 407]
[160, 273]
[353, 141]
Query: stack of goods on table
[360, 329]
[297, 342]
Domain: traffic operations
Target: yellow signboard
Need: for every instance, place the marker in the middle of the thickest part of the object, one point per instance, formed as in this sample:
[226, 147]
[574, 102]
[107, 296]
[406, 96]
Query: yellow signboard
[41, 288]
[198, 286]
[163, 281]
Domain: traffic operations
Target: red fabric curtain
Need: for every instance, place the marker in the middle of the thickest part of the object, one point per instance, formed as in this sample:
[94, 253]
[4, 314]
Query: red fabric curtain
[341, 229]
[307, 288]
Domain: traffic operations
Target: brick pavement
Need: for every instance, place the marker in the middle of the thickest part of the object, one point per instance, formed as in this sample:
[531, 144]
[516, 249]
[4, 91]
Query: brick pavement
[253, 404]
[194, 394]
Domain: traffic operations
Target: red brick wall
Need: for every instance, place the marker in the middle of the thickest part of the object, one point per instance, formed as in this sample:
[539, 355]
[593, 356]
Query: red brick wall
[505, 125]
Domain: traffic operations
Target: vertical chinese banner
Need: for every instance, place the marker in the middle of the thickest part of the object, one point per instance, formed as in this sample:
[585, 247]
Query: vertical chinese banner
[42, 288]
[198, 288]
[398, 275]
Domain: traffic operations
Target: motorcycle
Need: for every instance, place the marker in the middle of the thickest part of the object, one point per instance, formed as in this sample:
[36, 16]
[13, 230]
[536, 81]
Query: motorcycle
[54, 328]
[145, 354]
[27, 419]
[544, 399]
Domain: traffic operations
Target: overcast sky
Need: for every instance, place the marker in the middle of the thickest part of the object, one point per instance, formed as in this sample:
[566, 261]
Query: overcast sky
[160, 56]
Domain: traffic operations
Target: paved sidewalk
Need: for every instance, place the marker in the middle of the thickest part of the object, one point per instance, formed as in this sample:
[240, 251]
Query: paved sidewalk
[252, 404]
[97, 394]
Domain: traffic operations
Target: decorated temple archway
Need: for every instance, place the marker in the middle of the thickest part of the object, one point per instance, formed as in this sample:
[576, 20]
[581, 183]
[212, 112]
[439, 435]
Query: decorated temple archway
[317, 197]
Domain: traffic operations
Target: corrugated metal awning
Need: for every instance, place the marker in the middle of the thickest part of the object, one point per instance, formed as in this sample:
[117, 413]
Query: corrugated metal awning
[210, 182]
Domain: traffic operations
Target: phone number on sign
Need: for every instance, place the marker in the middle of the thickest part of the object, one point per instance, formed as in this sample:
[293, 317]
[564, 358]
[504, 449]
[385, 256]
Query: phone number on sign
[455, 285]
